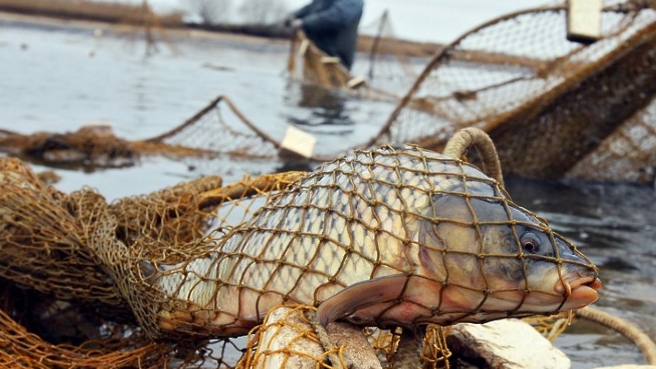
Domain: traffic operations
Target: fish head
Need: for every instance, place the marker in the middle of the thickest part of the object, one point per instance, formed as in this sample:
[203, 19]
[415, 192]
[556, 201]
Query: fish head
[493, 259]
[474, 256]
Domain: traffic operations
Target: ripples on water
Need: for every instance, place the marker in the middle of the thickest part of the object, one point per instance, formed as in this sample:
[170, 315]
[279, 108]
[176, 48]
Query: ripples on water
[62, 77]
[615, 226]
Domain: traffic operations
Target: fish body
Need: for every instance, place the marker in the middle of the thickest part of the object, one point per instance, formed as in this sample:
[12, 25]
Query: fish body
[387, 237]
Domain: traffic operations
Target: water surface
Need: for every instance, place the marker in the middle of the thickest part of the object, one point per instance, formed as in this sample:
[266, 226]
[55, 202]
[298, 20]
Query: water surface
[60, 77]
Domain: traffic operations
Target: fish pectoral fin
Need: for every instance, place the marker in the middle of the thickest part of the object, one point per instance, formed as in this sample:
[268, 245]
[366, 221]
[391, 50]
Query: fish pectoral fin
[361, 295]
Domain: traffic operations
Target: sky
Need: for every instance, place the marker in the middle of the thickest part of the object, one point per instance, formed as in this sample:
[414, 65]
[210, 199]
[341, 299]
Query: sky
[420, 20]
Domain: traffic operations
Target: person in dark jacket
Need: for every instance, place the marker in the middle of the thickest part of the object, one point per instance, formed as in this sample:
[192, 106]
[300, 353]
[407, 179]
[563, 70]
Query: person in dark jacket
[332, 25]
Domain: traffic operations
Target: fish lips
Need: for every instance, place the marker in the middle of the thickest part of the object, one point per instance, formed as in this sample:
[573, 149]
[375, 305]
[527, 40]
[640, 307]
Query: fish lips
[579, 292]
[580, 283]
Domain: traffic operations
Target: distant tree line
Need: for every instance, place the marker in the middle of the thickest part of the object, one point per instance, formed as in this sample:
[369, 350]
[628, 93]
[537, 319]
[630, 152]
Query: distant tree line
[216, 12]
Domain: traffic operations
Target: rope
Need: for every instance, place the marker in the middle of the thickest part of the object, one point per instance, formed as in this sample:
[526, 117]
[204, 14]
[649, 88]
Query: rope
[626, 328]
[248, 187]
[477, 139]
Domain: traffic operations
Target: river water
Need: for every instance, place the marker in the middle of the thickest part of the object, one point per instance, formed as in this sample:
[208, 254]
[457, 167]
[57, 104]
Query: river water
[58, 77]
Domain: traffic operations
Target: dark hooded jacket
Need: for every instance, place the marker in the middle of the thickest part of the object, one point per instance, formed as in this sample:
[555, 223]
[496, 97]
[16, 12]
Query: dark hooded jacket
[333, 26]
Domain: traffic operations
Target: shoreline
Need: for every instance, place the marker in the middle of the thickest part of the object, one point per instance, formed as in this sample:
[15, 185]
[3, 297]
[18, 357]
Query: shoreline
[172, 24]
[124, 28]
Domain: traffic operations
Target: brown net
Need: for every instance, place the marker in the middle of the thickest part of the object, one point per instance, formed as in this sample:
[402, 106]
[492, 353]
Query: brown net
[379, 216]
[388, 57]
[61, 305]
[307, 63]
[550, 326]
[383, 238]
[546, 102]
[310, 64]
[553, 107]
[218, 129]
[93, 145]
[122, 347]
[628, 154]
[44, 240]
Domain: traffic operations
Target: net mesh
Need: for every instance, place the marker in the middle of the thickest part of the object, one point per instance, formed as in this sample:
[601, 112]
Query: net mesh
[389, 60]
[218, 129]
[308, 63]
[546, 102]
[553, 107]
[61, 307]
[183, 277]
[93, 145]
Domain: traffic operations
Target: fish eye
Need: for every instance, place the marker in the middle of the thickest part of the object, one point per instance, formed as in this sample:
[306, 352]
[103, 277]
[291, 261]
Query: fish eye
[530, 242]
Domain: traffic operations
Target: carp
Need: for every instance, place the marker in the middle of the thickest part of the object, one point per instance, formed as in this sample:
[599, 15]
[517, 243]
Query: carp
[386, 237]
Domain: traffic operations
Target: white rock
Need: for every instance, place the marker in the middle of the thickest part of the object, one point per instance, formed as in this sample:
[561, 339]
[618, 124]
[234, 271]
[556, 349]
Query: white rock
[507, 343]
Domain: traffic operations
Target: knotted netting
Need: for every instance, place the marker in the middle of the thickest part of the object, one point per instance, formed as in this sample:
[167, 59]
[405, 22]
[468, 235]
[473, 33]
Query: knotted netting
[61, 307]
[628, 154]
[92, 145]
[44, 240]
[548, 103]
[308, 63]
[390, 217]
[379, 238]
[218, 129]
[553, 107]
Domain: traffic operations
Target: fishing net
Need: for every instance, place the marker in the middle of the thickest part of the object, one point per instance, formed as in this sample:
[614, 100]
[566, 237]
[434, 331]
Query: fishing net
[179, 277]
[388, 57]
[60, 306]
[301, 345]
[92, 145]
[628, 154]
[553, 107]
[307, 63]
[218, 129]
[315, 66]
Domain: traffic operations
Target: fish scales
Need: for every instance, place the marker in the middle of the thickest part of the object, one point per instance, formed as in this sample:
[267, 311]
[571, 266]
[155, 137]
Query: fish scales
[352, 220]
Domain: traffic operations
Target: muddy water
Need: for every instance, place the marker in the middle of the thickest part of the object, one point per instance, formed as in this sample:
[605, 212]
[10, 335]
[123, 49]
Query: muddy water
[59, 77]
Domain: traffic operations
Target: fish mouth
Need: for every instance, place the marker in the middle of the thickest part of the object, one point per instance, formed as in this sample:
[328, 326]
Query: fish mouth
[579, 292]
